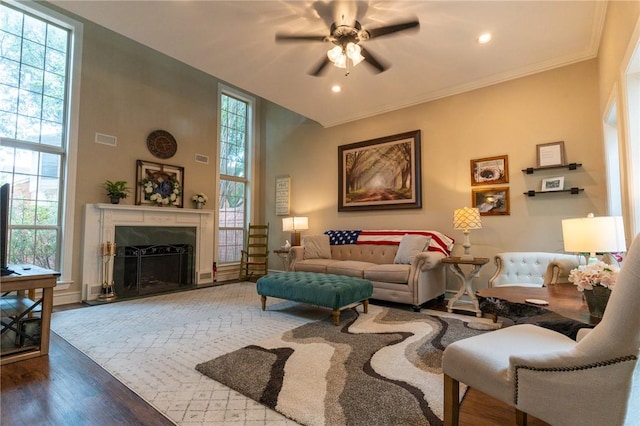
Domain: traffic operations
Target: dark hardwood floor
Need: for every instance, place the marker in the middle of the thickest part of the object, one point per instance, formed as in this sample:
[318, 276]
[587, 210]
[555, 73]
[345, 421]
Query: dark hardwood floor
[68, 388]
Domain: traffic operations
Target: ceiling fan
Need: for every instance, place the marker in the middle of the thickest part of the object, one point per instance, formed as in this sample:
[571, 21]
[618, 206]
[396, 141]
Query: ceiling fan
[346, 37]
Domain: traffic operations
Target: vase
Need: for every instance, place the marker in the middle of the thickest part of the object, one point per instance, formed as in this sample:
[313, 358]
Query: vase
[199, 205]
[597, 300]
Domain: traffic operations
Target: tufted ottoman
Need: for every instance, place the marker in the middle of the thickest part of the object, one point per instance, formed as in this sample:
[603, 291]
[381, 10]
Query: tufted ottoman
[326, 290]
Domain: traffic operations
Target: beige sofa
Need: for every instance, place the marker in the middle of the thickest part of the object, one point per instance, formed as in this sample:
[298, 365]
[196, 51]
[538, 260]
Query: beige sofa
[533, 269]
[416, 282]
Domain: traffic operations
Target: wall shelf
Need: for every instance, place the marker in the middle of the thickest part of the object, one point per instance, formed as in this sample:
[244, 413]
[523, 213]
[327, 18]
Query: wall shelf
[570, 166]
[573, 191]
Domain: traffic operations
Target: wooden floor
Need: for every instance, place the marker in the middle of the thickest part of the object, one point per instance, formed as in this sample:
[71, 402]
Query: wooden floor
[68, 388]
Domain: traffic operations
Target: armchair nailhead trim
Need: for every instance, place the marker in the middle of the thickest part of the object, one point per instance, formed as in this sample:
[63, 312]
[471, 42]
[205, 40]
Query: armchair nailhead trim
[573, 368]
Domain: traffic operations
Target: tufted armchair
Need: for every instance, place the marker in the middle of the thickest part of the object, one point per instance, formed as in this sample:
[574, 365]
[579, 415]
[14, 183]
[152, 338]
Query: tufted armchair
[533, 269]
[594, 381]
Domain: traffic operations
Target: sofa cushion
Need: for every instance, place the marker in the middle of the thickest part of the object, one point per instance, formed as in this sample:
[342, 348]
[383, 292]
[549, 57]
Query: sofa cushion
[390, 273]
[410, 246]
[351, 268]
[314, 265]
[316, 247]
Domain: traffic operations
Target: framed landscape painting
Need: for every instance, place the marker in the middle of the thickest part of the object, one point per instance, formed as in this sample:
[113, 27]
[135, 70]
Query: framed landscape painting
[380, 174]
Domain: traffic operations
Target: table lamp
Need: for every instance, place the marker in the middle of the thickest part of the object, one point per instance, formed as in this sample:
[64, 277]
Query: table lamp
[465, 219]
[294, 225]
[591, 235]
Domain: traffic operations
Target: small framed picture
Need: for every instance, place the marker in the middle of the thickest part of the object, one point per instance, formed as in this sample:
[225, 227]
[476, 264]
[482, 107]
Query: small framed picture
[553, 184]
[490, 170]
[491, 201]
[550, 154]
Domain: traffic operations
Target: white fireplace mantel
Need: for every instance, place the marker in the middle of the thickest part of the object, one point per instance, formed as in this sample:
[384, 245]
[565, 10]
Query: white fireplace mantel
[99, 228]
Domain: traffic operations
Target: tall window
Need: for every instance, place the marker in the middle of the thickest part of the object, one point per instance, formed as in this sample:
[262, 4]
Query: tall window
[235, 125]
[35, 68]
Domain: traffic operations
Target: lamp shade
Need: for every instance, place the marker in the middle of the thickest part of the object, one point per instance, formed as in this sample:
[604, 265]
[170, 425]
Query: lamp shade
[603, 234]
[467, 218]
[295, 223]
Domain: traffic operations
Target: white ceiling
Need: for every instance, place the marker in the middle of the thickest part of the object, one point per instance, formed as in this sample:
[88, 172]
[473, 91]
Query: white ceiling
[235, 42]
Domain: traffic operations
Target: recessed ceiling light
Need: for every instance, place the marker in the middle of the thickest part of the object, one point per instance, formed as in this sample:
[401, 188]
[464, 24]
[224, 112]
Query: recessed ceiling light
[484, 38]
[336, 89]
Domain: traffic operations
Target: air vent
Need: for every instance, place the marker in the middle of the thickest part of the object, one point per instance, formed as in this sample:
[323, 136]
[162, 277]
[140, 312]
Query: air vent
[200, 158]
[106, 139]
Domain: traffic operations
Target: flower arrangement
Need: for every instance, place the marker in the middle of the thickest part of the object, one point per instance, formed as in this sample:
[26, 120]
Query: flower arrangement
[162, 190]
[598, 273]
[200, 198]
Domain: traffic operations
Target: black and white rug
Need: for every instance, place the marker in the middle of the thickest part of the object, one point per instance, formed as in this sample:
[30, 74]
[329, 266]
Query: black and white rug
[380, 368]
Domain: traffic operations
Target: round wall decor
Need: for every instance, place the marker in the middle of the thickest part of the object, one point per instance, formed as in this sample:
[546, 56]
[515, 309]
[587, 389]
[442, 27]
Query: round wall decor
[161, 144]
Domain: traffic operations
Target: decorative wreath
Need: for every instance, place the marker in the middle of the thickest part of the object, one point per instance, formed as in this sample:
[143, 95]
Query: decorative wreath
[161, 189]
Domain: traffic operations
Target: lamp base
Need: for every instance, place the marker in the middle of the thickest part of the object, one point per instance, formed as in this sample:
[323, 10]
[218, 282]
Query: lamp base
[295, 238]
[466, 256]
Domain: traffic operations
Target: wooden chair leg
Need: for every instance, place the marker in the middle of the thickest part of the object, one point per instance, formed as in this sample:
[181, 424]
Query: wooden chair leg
[451, 401]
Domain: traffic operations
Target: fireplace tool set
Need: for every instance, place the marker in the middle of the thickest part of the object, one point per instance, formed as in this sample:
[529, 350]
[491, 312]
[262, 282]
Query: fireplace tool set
[108, 251]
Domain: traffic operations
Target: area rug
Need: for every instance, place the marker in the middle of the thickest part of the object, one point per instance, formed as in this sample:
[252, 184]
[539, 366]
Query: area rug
[380, 368]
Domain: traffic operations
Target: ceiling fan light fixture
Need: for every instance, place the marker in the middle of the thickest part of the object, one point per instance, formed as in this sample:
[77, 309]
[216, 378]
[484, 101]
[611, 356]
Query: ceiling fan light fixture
[353, 52]
[336, 56]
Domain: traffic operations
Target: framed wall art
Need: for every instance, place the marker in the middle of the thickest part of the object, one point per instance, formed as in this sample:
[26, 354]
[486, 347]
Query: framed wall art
[553, 184]
[380, 174]
[283, 195]
[159, 184]
[550, 154]
[491, 201]
[490, 170]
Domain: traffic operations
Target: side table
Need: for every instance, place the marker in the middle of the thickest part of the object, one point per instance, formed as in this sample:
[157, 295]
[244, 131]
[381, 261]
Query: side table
[283, 254]
[466, 281]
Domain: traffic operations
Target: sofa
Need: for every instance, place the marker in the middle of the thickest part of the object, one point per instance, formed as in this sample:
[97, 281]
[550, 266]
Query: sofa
[533, 269]
[403, 266]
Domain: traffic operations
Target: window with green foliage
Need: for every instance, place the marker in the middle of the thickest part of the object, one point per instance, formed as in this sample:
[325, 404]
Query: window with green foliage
[34, 86]
[232, 203]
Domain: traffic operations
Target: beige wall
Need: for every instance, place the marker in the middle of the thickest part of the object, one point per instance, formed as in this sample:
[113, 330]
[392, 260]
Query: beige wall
[508, 118]
[128, 91]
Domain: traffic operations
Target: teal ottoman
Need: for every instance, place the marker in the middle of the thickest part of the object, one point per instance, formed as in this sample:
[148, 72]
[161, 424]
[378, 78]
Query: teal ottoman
[326, 290]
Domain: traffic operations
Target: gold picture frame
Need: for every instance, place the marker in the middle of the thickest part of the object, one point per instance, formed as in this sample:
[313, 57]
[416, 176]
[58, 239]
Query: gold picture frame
[490, 170]
[491, 201]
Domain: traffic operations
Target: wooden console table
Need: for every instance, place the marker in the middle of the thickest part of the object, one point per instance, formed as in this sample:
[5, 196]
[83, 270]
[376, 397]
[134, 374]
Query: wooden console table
[20, 309]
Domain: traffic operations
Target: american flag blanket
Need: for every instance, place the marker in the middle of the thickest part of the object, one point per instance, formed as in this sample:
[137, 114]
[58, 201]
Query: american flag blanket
[439, 242]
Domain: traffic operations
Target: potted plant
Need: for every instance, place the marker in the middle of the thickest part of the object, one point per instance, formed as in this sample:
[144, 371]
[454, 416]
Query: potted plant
[596, 280]
[116, 190]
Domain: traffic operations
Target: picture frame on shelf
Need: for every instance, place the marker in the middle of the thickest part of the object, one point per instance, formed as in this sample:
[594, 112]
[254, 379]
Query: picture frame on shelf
[159, 184]
[380, 174]
[490, 170]
[552, 184]
[550, 154]
[491, 201]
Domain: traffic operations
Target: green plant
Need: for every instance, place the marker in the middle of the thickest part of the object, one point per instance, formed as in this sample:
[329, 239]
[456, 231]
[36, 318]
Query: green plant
[117, 189]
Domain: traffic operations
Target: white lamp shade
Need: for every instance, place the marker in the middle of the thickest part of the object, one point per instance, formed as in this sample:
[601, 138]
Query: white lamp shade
[467, 218]
[295, 223]
[603, 234]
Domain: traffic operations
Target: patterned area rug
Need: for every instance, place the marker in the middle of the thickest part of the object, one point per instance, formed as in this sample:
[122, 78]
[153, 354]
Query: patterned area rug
[380, 368]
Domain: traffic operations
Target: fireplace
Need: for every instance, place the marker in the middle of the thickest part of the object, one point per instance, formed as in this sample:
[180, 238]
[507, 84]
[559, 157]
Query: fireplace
[157, 249]
[152, 260]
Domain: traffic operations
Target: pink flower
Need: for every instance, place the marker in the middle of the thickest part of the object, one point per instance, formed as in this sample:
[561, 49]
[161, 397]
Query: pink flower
[594, 274]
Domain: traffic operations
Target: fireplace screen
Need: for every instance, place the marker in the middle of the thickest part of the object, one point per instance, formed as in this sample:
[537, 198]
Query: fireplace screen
[150, 269]
[151, 260]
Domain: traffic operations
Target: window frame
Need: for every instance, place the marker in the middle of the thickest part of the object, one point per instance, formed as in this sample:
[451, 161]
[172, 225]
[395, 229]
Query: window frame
[70, 141]
[250, 155]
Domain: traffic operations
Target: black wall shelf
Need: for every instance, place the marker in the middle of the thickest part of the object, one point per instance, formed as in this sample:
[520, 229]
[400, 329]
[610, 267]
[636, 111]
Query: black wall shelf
[572, 191]
[570, 166]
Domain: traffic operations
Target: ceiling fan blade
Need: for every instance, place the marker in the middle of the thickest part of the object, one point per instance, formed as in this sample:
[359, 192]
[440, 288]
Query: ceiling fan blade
[371, 60]
[390, 29]
[299, 37]
[318, 70]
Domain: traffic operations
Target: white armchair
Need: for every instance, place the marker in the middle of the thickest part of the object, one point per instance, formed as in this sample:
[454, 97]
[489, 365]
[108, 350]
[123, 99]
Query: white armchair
[533, 268]
[594, 381]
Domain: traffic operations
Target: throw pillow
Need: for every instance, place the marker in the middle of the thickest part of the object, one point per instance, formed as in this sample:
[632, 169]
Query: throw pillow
[316, 247]
[410, 246]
